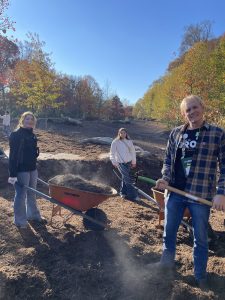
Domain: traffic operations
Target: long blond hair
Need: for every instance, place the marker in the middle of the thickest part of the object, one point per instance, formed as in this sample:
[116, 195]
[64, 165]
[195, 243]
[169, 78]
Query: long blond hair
[23, 116]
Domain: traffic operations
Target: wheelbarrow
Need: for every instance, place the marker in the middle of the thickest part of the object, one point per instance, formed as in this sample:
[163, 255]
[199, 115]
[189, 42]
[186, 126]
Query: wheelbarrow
[158, 198]
[78, 202]
[211, 234]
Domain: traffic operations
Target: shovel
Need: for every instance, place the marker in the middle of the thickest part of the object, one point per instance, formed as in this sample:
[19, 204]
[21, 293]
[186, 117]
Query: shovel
[133, 179]
[175, 190]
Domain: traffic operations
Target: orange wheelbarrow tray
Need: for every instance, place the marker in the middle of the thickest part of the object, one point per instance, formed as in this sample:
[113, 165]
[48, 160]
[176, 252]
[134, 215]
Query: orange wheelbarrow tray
[79, 202]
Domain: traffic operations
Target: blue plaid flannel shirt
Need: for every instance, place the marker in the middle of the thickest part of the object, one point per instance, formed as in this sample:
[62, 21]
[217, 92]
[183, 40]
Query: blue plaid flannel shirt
[208, 156]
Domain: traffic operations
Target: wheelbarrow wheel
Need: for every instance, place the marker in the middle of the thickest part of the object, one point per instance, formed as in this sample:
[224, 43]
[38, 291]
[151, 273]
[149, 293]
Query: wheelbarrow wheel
[98, 215]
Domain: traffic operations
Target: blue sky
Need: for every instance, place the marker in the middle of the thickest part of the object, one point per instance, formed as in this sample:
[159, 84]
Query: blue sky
[127, 43]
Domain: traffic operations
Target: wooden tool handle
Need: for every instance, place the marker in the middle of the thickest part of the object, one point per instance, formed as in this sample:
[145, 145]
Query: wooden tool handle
[172, 189]
[190, 196]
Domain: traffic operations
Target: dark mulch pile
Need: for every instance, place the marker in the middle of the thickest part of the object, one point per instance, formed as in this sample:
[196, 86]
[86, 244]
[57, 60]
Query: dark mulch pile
[76, 182]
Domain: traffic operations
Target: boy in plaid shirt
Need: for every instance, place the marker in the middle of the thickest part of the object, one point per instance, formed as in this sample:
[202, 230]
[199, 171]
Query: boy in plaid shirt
[193, 152]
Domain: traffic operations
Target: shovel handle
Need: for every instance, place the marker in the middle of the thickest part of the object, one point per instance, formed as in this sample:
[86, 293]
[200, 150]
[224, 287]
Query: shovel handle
[172, 189]
[190, 196]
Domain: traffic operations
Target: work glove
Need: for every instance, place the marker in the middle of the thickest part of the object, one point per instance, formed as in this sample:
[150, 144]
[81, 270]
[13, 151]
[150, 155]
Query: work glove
[12, 180]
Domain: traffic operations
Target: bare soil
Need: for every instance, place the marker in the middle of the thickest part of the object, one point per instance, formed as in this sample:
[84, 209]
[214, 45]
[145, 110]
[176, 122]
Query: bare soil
[66, 261]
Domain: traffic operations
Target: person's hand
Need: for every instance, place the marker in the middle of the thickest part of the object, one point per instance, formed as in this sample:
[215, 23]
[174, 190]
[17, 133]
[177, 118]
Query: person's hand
[12, 180]
[219, 202]
[133, 166]
[115, 165]
[161, 184]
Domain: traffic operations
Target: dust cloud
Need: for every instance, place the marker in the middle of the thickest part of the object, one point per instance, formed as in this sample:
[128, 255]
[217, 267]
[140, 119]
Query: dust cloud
[139, 281]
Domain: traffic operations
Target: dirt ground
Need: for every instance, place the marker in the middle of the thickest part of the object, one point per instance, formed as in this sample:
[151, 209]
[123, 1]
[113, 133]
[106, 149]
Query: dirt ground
[67, 261]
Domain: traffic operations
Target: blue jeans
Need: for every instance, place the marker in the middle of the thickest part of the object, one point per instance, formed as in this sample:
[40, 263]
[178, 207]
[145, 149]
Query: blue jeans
[25, 206]
[127, 189]
[174, 209]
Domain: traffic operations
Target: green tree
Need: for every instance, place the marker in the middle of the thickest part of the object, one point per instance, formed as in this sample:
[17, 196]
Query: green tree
[8, 57]
[35, 86]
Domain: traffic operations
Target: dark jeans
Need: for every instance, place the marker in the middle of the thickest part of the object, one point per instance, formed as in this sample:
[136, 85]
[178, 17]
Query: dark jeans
[127, 189]
[174, 210]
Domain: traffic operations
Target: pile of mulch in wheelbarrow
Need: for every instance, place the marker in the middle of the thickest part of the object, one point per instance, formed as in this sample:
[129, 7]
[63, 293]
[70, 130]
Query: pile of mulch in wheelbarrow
[76, 182]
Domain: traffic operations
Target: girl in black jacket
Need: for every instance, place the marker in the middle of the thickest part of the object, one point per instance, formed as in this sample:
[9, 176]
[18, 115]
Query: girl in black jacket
[22, 168]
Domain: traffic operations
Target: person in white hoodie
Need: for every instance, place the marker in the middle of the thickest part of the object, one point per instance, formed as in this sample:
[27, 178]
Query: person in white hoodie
[123, 157]
[6, 123]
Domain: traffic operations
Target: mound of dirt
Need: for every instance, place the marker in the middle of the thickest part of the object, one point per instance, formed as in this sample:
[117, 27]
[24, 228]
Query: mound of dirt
[76, 182]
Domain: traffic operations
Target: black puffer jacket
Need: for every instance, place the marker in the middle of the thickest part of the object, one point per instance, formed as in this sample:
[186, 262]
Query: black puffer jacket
[23, 151]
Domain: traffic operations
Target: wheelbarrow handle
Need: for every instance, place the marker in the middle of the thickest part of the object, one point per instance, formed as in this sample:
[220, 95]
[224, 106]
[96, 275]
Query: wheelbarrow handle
[54, 201]
[149, 197]
[175, 190]
[155, 202]
[42, 181]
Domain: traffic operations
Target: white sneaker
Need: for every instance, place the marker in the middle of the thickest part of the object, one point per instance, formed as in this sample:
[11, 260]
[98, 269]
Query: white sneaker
[138, 199]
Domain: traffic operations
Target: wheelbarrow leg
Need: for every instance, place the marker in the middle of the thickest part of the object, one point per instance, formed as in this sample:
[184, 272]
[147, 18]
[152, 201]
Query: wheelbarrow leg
[56, 210]
[72, 210]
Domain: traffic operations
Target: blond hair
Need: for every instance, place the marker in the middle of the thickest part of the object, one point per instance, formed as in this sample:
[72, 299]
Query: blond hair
[190, 98]
[23, 116]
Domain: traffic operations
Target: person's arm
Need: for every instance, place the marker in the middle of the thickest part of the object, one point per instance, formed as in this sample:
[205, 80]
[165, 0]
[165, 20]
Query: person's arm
[112, 154]
[14, 145]
[166, 170]
[219, 198]
[163, 182]
[133, 155]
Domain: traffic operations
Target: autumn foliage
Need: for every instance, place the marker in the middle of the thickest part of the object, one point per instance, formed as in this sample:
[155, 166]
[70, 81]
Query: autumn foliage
[28, 80]
[35, 84]
[200, 71]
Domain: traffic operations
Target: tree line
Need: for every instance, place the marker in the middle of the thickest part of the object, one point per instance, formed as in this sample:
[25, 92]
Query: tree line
[28, 80]
[199, 69]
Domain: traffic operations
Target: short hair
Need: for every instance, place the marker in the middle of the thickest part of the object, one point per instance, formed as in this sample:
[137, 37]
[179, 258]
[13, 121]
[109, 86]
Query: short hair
[190, 98]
